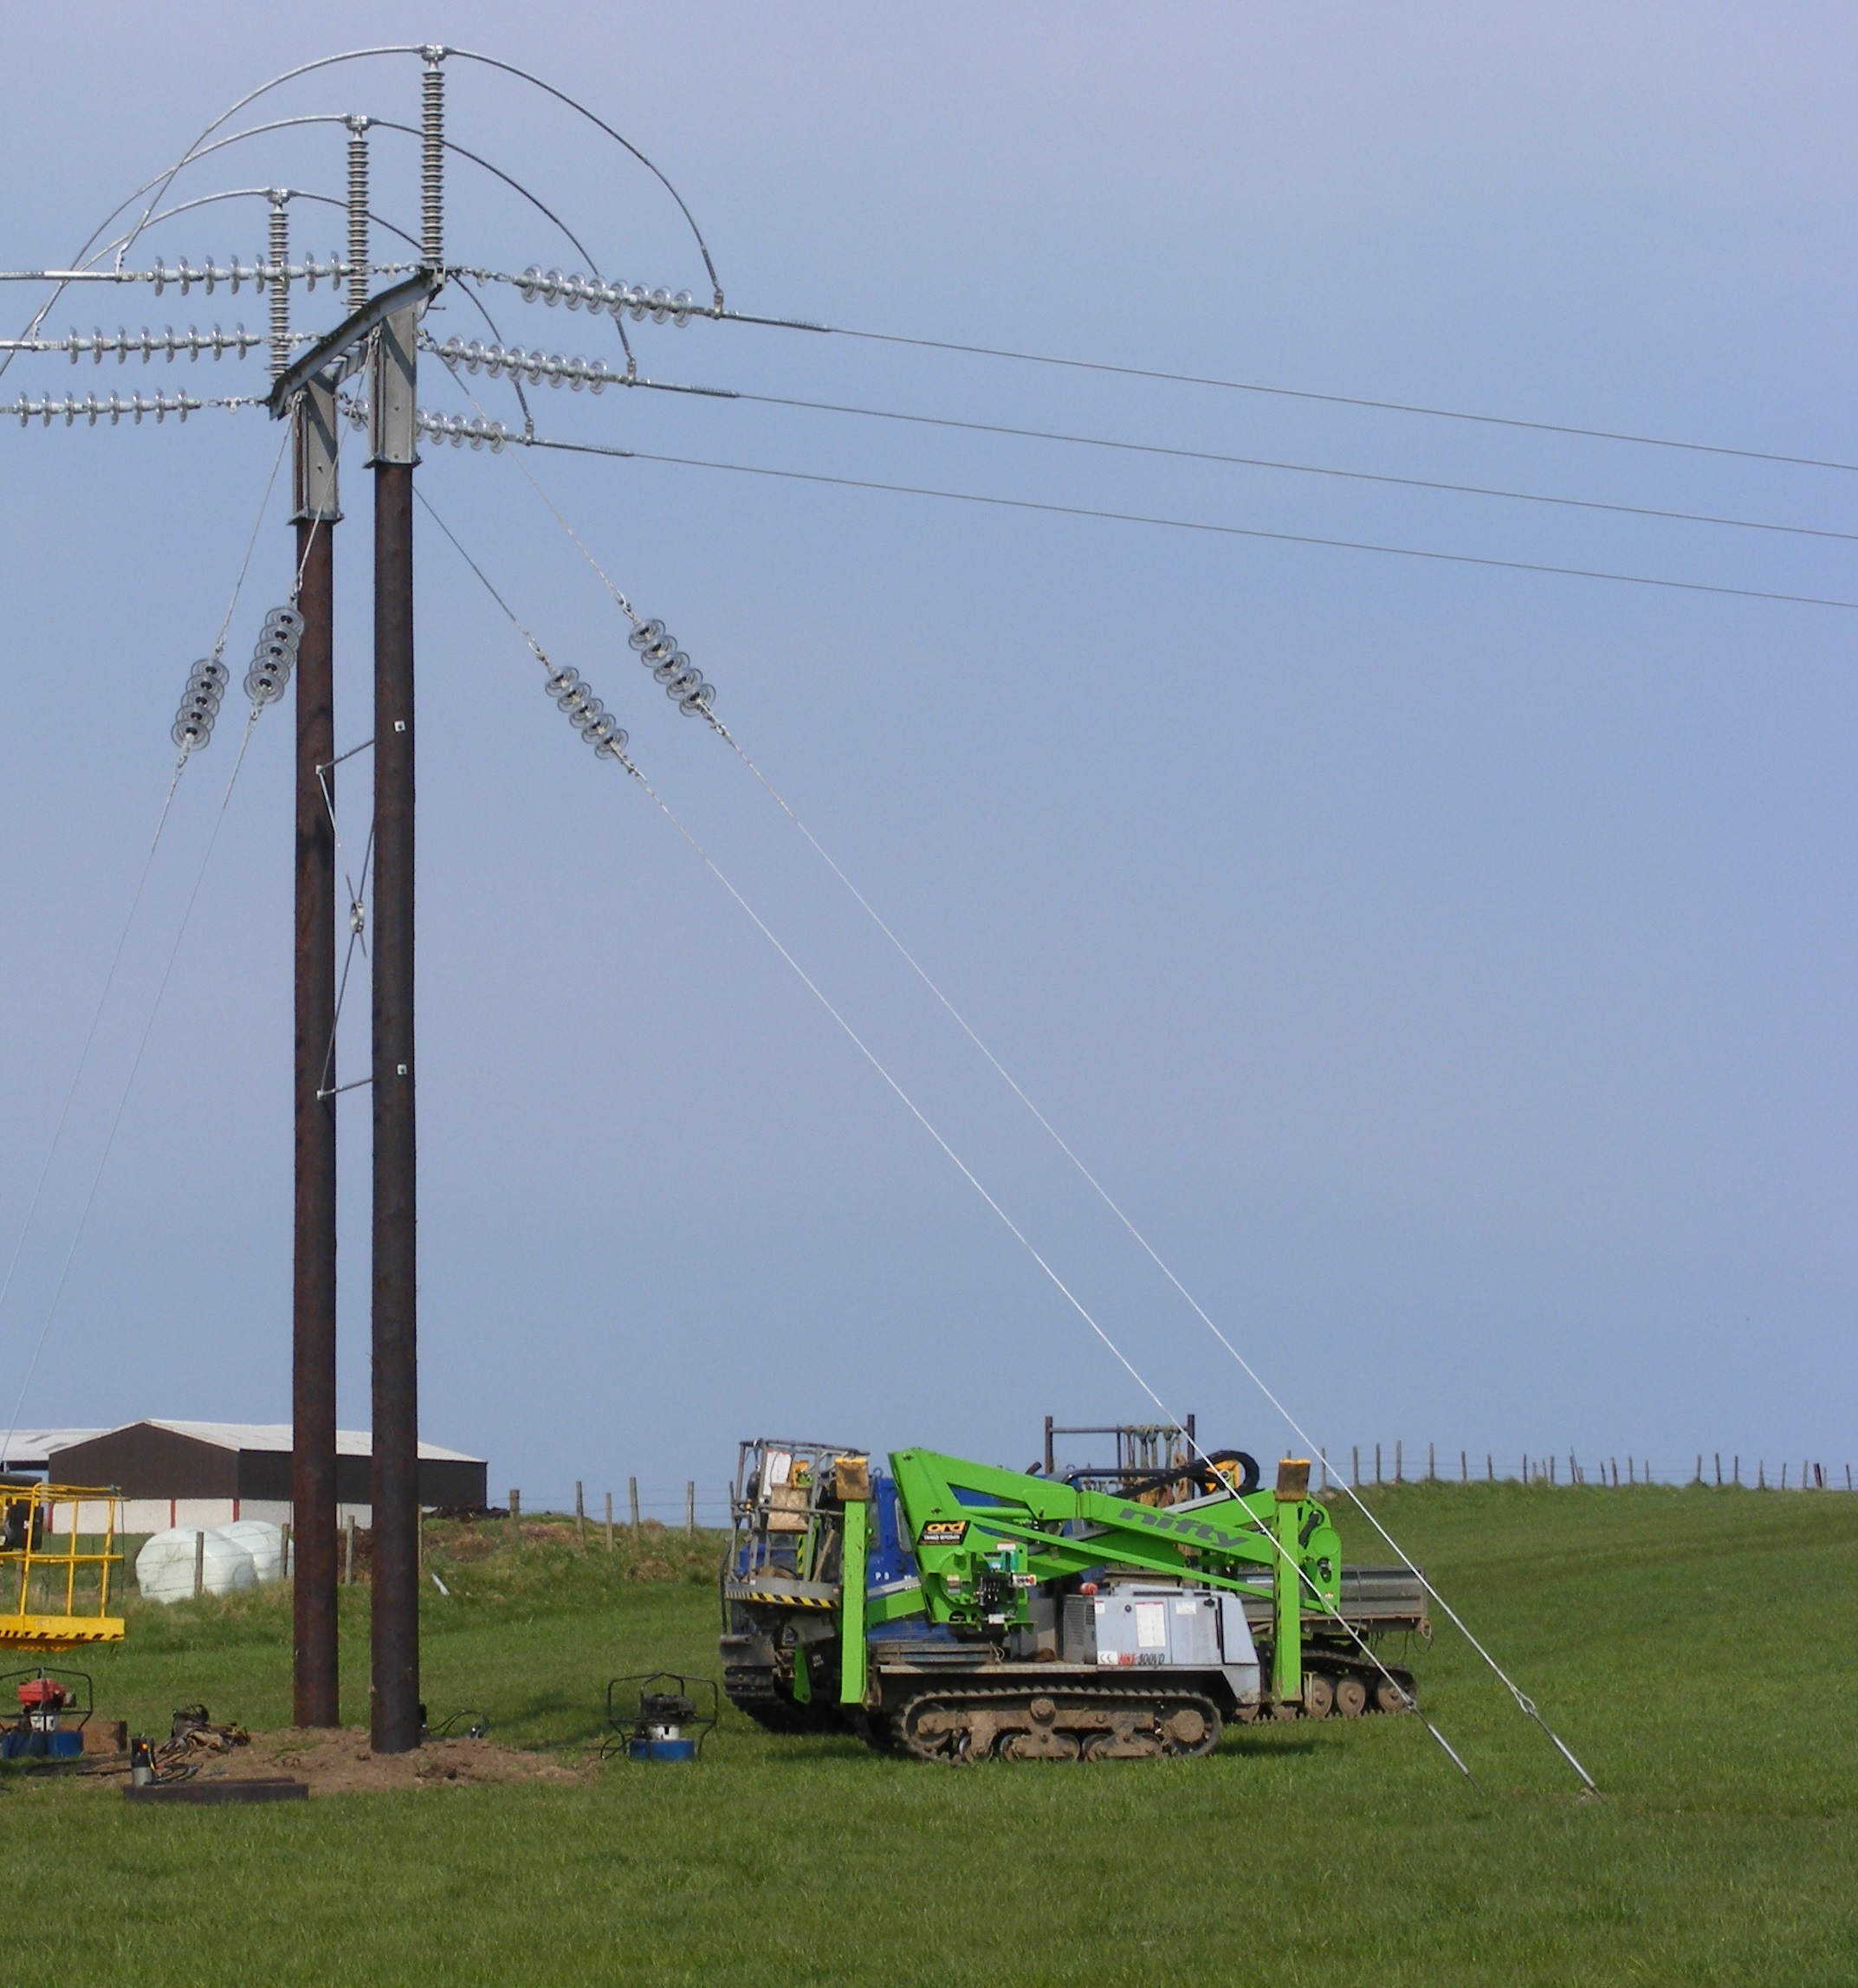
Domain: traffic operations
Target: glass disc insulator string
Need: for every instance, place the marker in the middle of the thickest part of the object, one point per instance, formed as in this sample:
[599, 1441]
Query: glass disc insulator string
[684, 684]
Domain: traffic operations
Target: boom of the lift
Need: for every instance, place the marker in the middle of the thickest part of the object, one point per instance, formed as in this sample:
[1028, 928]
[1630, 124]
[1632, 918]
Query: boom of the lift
[984, 1537]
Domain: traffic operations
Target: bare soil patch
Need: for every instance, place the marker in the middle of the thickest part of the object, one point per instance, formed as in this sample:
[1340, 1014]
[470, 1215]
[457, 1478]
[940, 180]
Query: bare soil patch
[339, 1763]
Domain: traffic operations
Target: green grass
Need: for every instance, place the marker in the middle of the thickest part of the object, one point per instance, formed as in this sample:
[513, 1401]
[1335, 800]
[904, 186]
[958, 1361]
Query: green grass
[1693, 1647]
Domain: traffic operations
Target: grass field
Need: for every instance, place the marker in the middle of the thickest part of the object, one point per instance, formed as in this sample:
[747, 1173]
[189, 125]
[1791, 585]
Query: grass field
[1695, 1647]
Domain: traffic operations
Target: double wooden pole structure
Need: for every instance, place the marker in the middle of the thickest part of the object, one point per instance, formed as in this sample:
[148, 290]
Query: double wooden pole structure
[388, 324]
[382, 329]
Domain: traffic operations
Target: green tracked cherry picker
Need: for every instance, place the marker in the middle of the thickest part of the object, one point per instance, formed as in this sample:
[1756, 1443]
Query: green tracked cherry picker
[955, 1610]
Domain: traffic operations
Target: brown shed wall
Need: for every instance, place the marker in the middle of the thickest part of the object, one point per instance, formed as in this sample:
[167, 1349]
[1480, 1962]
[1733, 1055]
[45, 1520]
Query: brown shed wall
[145, 1461]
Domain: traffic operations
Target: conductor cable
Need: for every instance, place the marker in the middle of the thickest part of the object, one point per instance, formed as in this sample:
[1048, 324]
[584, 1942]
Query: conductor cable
[1298, 393]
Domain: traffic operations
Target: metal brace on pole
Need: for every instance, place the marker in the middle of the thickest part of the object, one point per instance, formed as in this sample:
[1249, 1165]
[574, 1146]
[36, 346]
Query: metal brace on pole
[392, 391]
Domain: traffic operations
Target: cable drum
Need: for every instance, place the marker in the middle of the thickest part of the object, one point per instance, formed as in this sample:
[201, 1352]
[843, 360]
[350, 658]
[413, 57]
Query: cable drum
[684, 684]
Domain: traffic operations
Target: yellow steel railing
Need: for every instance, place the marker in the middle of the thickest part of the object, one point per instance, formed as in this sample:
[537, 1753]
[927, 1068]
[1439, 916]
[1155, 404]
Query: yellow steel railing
[53, 1596]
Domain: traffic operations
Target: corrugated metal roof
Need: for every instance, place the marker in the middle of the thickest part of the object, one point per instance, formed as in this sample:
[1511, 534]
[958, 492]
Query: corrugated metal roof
[31, 1448]
[275, 1436]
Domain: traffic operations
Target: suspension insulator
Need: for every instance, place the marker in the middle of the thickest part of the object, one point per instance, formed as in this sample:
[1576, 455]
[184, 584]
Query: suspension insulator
[684, 684]
[275, 656]
[553, 287]
[358, 210]
[588, 716]
[199, 706]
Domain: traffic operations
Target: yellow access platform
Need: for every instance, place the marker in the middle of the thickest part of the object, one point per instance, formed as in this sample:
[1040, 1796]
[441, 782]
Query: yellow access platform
[54, 1593]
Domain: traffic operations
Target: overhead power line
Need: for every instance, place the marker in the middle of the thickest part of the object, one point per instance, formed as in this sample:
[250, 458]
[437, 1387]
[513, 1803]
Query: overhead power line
[1293, 392]
[1201, 525]
[1271, 463]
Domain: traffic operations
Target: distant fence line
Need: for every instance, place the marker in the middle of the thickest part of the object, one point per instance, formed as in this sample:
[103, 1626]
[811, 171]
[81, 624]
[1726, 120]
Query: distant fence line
[614, 1514]
[675, 1508]
[1555, 1468]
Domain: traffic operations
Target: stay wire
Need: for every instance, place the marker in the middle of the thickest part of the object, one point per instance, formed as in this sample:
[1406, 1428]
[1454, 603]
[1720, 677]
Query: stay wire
[83, 1059]
[1300, 394]
[122, 941]
[1116, 1208]
[109, 1143]
[1025, 1241]
[554, 510]
[1031, 1249]
[962, 1166]
[1521, 1698]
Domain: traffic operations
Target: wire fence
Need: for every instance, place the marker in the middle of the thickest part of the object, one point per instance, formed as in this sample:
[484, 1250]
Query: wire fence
[1389, 1464]
[633, 1506]
[686, 1507]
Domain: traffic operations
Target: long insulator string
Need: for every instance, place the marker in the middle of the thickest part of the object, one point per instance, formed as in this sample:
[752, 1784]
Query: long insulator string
[432, 156]
[280, 246]
[357, 209]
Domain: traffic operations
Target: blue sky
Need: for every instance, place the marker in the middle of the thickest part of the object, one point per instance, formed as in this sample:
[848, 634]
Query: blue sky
[1450, 968]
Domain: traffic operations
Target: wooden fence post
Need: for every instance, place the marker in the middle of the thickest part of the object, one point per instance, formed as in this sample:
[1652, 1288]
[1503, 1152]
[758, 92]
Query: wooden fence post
[199, 1563]
[580, 1516]
[689, 1508]
[348, 1551]
[631, 1489]
[608, 1522]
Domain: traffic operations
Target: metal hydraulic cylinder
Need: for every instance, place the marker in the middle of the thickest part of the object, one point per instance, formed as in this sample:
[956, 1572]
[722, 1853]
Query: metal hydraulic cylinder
[1287, 1583]
[851, 1676]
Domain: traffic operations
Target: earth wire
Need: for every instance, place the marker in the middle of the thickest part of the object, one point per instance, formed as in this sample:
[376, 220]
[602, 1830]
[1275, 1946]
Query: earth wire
[1300, 394]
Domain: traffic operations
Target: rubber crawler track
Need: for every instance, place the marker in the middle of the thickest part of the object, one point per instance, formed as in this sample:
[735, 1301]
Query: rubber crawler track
[1062, 1722]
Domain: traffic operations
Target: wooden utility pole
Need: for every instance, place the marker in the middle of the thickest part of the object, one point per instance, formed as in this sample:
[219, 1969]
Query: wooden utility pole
[394, 1720]
[315, 1680]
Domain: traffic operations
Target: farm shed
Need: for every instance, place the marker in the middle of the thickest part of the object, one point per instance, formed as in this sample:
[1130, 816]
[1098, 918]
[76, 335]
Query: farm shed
[209, 1474]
